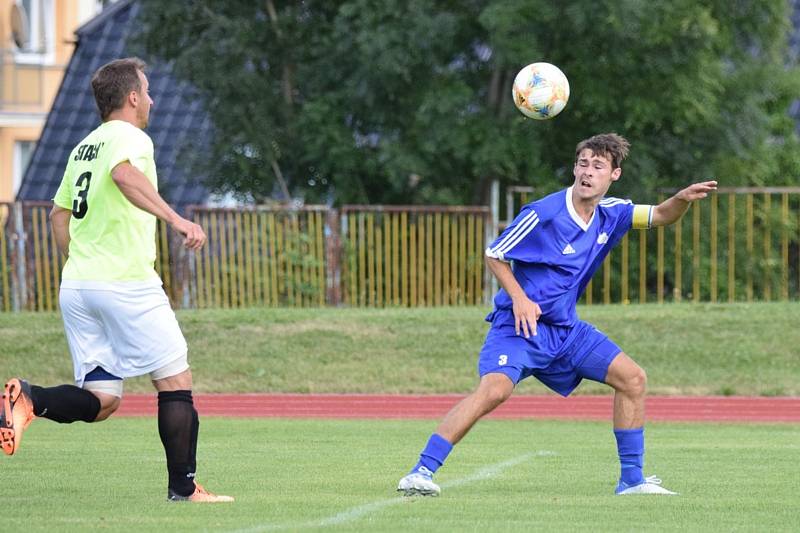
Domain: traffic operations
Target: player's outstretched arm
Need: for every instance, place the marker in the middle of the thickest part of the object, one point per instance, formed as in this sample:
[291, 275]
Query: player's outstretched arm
[59, 222]
[672, 209]
[526, 311]
[135, 186]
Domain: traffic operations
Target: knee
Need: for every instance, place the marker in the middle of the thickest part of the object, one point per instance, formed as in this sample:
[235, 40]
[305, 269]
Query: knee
[181, 381]
[495, 395]
[108, 404]
[636, 382]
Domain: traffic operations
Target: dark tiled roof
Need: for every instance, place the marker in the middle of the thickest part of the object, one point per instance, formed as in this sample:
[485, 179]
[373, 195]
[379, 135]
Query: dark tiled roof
[178, 123]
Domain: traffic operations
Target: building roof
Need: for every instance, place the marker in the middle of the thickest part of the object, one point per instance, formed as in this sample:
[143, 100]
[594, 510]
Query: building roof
[179, 126]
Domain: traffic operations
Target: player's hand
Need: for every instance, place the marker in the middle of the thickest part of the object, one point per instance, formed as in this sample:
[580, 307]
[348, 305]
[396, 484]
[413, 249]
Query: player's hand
[194, 236]
[697, 191]
[526, 313]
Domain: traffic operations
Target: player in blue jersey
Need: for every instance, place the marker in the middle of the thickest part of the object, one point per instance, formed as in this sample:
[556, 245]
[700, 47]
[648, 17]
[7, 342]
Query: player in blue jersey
[543, 261]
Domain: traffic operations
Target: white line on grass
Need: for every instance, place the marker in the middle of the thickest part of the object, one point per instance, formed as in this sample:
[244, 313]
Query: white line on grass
[359, 511]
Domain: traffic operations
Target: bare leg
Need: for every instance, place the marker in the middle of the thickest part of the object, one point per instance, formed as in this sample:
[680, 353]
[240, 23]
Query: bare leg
[630, 384]
[182, 381]
[492, 390]
[108, 404]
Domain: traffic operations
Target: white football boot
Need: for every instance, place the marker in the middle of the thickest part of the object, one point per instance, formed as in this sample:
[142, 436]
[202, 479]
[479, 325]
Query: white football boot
[651, 485]
[419, 483]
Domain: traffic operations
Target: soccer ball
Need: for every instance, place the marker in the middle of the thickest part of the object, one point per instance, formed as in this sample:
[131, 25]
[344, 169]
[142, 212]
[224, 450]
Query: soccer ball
[540, 91]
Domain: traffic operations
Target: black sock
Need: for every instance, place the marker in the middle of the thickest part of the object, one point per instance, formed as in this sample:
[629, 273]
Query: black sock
[177, 426]
[65, 403]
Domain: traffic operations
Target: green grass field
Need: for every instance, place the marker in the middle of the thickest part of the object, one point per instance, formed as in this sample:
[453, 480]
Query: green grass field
[340, 475]
[748, 349]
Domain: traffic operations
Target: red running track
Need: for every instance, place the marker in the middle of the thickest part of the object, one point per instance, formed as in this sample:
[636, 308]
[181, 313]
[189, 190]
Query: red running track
[671, 408]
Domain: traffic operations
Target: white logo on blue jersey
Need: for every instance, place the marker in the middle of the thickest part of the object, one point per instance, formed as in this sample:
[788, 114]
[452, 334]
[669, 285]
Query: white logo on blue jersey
[602, 238]
[568, 249]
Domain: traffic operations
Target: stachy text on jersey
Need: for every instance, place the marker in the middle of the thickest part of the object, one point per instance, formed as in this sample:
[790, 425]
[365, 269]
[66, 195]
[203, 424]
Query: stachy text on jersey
[88, 152]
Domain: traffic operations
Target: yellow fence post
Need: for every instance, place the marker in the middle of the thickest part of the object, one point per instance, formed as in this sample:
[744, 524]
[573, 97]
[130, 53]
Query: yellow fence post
[713, 228]
[412, 262]
[678, 290]
[784, 246]
[37, 257]
[624, 296]
[372, 286]
[429, 263]
[731, 247]
[448, 258]
[404, 249]
[695, 253]
[642, 266]
[767, 247]
[4, 270]
[749, 245]
[660, 265]
[479, 254]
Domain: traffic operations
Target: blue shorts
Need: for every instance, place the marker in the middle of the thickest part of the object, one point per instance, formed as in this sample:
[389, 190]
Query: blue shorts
[560, 357]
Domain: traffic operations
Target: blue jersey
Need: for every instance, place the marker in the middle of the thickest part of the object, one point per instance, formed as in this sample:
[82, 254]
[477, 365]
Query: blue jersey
[554, 252]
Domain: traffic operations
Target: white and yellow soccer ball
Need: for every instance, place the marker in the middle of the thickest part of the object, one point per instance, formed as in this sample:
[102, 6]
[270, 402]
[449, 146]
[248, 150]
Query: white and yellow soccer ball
[540, 91]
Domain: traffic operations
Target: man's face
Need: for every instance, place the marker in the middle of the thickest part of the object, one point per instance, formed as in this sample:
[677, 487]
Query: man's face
[143, 102]
[593, 175]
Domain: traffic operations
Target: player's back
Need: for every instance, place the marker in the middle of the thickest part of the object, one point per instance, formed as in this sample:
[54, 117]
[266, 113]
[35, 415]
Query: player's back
[110, 238]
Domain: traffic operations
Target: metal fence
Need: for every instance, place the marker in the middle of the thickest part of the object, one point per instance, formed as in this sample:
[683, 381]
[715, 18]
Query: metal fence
[738, 245]
[413, 256]
[30, 264]
[259, 256]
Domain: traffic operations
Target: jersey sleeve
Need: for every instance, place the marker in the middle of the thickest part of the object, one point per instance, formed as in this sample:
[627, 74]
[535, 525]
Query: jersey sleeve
[517, 242]
[63, 197]
[134, 147]
[626, 214]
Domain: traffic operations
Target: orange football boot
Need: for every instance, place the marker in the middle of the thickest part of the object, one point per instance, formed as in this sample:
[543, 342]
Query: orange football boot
[200, 495]
[16, 414]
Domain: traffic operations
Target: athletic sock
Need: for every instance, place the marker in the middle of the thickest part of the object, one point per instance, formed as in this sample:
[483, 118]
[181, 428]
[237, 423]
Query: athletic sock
[177, 426]
[433, 455]
[65, 403]
[630, 446]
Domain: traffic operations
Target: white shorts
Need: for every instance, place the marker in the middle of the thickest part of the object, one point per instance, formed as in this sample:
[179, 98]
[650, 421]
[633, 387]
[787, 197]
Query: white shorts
[127, 328]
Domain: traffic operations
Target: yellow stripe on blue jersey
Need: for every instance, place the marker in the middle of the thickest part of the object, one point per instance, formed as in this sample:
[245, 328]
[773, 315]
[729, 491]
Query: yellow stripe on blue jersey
[110, 238]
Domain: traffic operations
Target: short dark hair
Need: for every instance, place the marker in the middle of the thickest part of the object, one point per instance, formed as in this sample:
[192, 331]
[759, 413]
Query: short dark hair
[610, 145]
[113, 82]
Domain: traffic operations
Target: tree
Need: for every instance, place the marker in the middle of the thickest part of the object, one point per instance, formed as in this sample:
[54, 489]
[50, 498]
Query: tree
[409, 102]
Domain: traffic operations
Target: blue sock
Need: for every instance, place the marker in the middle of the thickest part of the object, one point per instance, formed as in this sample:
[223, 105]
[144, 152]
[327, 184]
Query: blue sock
[434, 454]
[630, 446]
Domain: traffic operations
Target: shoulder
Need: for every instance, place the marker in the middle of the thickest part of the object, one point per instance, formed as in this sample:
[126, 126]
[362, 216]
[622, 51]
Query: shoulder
[138, 135]
[615, 205]
[127, 132]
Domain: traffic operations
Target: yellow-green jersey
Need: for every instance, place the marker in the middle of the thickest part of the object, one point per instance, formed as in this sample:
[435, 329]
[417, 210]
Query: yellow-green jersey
[110, 238]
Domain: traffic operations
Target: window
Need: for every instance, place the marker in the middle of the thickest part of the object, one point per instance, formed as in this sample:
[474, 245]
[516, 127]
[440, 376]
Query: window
[90, 8]
[23, 150]
[38, 25]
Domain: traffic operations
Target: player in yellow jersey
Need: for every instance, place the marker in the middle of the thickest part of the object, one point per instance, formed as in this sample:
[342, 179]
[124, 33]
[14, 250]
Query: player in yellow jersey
[117, 318]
